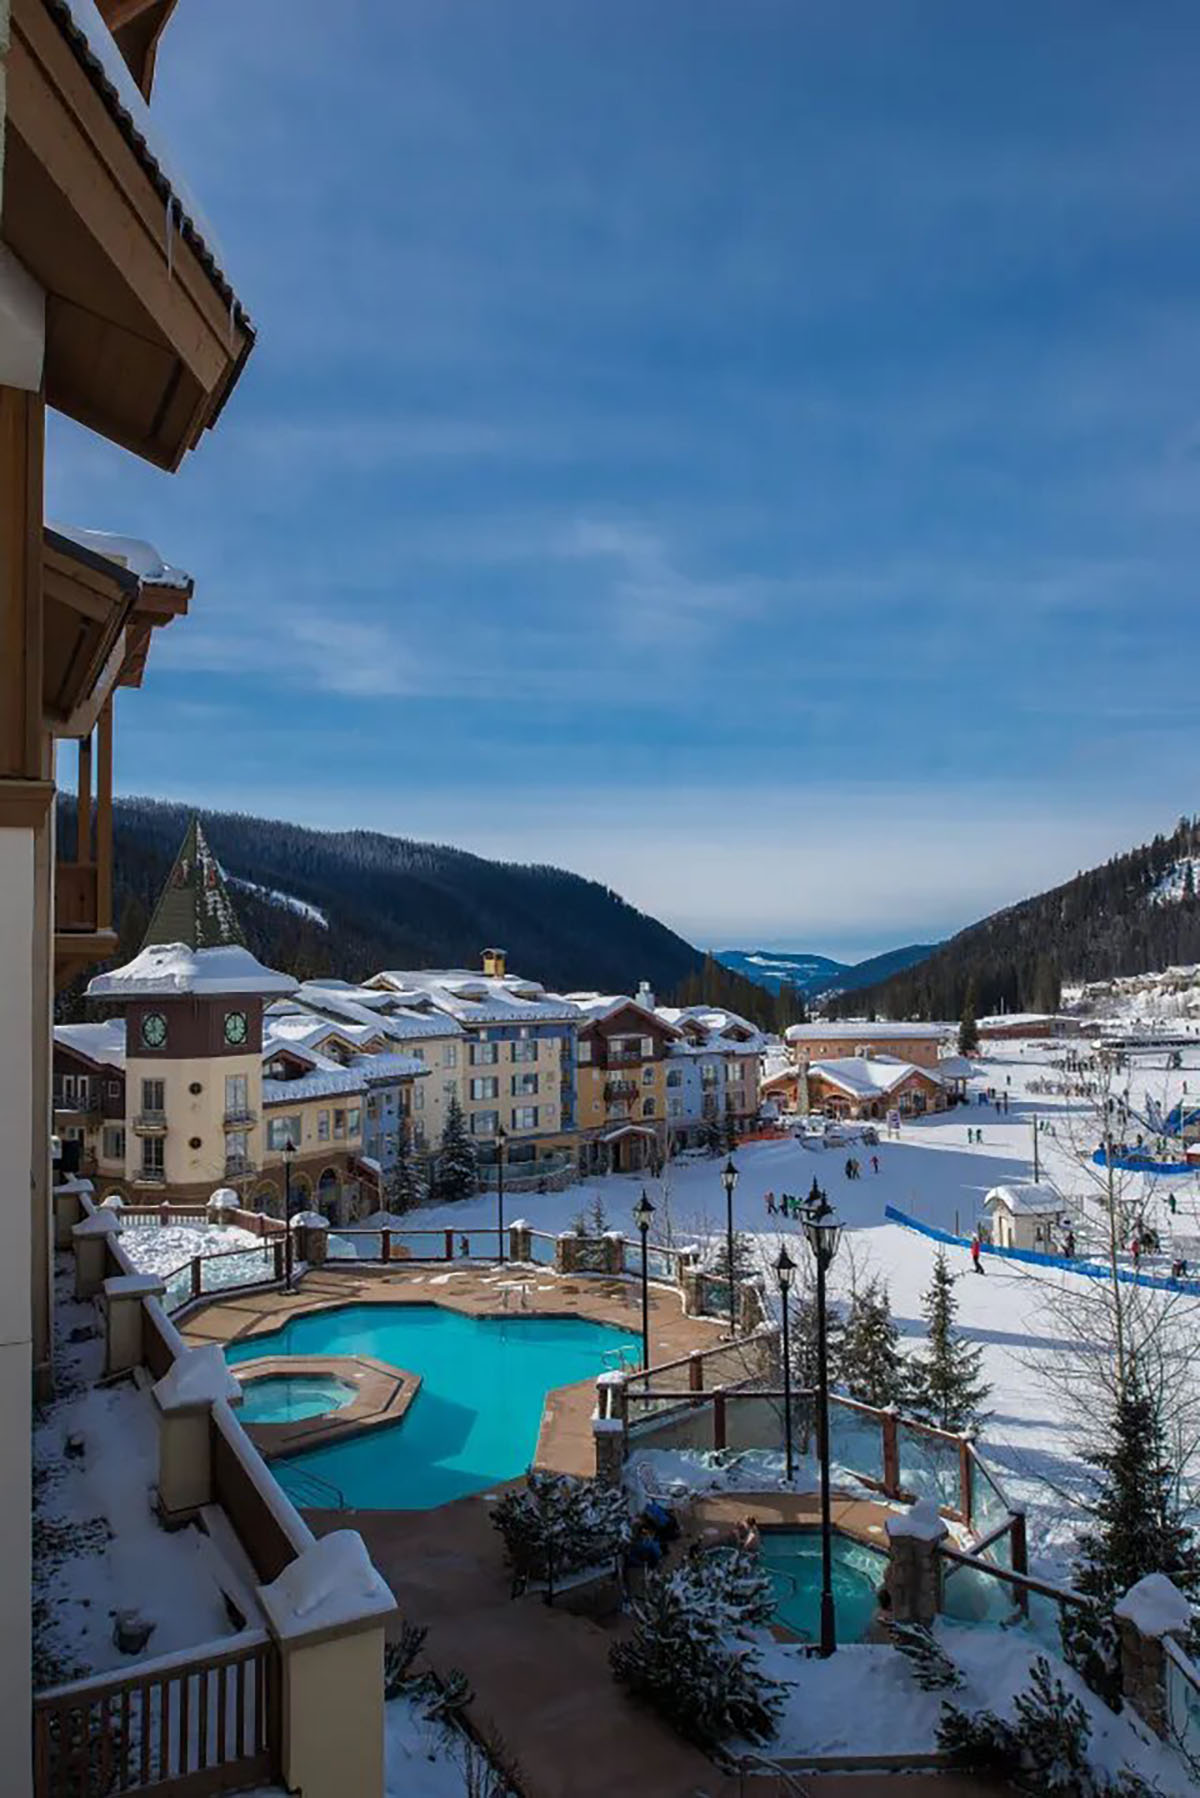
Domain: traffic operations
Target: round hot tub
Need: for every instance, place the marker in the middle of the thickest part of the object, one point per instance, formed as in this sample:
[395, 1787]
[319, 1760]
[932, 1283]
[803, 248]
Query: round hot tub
[291, 1397]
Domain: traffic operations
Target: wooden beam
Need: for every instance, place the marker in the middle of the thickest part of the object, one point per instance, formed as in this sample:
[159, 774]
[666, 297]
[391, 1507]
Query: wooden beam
[83, 808]
[121, 12]
[24, 803]
[22, 451]
[104, 817]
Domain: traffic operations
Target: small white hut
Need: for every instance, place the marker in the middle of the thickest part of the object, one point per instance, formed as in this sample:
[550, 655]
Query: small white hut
[1025, 1217]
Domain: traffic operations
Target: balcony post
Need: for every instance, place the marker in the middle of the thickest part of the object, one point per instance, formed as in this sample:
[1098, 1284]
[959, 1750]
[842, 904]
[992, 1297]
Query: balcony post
[104, 779]
[83, 814]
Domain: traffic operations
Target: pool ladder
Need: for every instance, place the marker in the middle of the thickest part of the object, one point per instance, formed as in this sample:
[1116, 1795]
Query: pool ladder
[313, 1493]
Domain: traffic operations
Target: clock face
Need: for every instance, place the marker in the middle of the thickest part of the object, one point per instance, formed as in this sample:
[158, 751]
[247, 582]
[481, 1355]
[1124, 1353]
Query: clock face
[154, 1030]
[235, 1026]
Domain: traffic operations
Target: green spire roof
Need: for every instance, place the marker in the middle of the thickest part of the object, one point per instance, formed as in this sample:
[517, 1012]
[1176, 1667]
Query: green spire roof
[194, 906]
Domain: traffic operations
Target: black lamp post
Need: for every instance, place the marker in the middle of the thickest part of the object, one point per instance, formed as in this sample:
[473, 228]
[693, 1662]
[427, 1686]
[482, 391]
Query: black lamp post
[785, 1268]
[823, 1232]
[501, 1138]
[729, 1179]
[289, 1149]
[643, 1211]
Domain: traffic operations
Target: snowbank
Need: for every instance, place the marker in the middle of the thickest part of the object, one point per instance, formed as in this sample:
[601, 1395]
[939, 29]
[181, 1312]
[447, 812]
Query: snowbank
[332, 1583]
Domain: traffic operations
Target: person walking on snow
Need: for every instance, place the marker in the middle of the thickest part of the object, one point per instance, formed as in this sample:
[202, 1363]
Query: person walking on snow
[976, 1260]
[875, 1163]
[771, 1204]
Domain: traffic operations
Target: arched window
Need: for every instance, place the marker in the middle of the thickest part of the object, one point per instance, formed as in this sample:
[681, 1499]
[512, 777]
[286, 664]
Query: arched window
[647, 1076]
[647, 1108]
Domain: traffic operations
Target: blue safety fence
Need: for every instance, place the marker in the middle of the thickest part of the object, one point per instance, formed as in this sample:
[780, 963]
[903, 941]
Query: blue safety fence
[1091, 1269]
[1138, 1163]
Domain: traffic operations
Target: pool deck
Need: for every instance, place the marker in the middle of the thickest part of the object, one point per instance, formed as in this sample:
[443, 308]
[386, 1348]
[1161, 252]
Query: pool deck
[565, 1441]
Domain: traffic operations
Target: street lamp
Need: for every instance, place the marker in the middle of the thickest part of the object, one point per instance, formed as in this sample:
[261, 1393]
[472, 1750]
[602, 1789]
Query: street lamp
[643, 1211]
[289, 1149]
[785, 1268]
[501, 1137]
[729, 1179]
[823, 1232]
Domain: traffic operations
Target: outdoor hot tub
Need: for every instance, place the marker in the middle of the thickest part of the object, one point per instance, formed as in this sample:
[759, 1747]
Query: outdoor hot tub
[292, 1397]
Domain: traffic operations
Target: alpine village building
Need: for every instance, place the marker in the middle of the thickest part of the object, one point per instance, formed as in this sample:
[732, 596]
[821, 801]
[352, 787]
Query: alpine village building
[115, 311]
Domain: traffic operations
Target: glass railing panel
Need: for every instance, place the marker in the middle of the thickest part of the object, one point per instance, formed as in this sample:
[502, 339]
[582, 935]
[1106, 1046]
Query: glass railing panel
[855, 1441]
[929, 1466]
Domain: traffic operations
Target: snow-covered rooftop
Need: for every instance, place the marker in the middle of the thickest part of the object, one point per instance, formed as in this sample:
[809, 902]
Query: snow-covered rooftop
[373, 1006]
[1027, 1199]
[165, 969]
[864, 1075]
[859, 1030]
[322, 1083]
[141, 558]
[480, 998]
[103, 1042]
[712, 1027]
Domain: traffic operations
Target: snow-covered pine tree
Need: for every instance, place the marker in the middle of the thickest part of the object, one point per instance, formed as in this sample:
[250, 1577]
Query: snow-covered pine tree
[968, 1028]
[457, 1175]
[405, 1186]
[869, 1363]
[743, 1257]
[559, 1523]
[712, 1136]
[1138, 1529]
[943, 1384]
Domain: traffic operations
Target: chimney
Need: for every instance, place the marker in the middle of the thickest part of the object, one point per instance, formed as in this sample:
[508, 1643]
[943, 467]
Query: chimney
[494, 963]
[645, 995]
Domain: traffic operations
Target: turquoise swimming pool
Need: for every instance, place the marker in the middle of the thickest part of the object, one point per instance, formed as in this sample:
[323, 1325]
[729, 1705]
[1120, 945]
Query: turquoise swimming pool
[792, 1558]
[476, 1417]
[291, 1397]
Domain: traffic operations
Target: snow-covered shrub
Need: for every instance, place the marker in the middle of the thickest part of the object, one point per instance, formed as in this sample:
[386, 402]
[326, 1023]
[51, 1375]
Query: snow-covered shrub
[932, 1667]
[559, 1524]
[684, 1658]
[732, 1580]
[398, 1657]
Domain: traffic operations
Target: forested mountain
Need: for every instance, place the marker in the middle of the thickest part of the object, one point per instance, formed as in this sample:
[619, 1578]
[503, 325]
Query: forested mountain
[817, 975]
[1137, 912]
[352, 902]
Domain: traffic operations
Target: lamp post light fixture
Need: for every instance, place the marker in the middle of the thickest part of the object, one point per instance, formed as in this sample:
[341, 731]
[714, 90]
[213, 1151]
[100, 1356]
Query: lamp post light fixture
[501, 1139]
[729, 1179]
[289, 1149]
[643, 1211]
[785, 1269]
[823, 1233]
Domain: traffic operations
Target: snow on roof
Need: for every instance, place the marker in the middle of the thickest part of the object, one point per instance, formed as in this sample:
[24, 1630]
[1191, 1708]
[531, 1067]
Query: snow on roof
[1155, 1607]
[322, 1083]
[107, 69]
[165, 969]
[372, 1006]
[705, 1028]
[859, 1030]
[595, 1007]
[955, 1067]
[1029, 1200]
[863, 1074]
[389, 1066]
[330, 1584]
[1014, 1019]
[199, 1376]
[480, 998]
[104, 1042]
[141, 558]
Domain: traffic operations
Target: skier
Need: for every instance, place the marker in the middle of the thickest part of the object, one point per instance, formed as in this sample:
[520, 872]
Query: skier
[976, 1260]
[1069, 1246]
[849, 1168]
[875, 1163]
[1171, 1203]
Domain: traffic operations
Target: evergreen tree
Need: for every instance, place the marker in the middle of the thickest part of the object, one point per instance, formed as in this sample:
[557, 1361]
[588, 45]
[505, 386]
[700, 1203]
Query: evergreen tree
[457, 1174]
[869, 1362]
[1139, 1529]
[743, 1258]
[559, 1523]
[405, 1186]
[968, 1029]
[712, 1136]
[944, 1386]
[729, 1141]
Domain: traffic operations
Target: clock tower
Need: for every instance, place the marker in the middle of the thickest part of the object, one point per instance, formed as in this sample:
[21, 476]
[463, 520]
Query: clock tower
[193, 1003]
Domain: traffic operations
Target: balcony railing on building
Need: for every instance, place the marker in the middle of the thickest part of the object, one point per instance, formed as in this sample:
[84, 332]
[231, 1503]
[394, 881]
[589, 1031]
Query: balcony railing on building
[238, 1166]
[150, 1123]
[240, 1117]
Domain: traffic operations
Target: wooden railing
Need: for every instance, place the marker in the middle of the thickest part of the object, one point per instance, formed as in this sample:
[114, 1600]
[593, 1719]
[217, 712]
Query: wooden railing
[188, 1724]
[76, 896]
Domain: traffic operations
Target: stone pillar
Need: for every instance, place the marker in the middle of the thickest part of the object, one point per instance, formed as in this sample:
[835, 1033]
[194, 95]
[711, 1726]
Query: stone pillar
[1149, 1612]
[184, 1399]
[608, 1434]
[914, 1575]
[123, 1296]
[327, 1612]
[89, 1240]
[751, 1310]
[68, 1199]
[614, 1252]
[223, 1206]
[310, 1238]
[520, 1240]
[566, 1253]
[692, 1280]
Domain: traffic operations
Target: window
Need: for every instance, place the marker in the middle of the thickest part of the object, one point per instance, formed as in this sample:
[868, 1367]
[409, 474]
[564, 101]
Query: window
[339, 1123]
[114, 1089]
[418, 1132]
[67, 1088]
[450, 1055]
[152, 1154]
[237, 1097]
[674, 1077]
[647, 1047]
[114, 1143]
[153, 1096]
[584, 1050]
[675, 1106]
[484, 1055]
[487, 1088]
[279, 1132]
[525, 1051]
[483, 1123]
[322, 1126]
[647, 1108]
[524, 1084]
[417, 1054]
[354, 1121]
[525, 1117]
[647, 1076]
[418, 1098]
[237, 1148]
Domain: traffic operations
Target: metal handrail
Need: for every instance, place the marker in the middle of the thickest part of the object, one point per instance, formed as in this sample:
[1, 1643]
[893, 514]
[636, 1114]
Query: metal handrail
[750, 1762]
[332, 1496]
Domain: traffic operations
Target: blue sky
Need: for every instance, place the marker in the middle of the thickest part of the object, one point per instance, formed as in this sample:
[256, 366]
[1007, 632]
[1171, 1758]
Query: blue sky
[748, 452]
